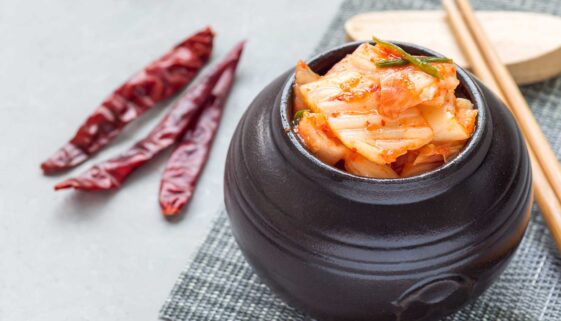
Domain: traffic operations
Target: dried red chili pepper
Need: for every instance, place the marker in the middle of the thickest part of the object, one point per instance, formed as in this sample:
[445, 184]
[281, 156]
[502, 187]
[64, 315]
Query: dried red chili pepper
[113, 172]
[158, 81]
[188, 159]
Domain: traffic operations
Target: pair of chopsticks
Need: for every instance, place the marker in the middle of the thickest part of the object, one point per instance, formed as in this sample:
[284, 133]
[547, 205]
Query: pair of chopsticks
[487, 66]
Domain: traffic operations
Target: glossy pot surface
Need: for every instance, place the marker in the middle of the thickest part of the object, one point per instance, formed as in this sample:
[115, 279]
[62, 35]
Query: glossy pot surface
[343, 247]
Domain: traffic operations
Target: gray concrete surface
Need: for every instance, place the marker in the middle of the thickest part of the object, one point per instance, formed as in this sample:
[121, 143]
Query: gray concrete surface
[110, 256]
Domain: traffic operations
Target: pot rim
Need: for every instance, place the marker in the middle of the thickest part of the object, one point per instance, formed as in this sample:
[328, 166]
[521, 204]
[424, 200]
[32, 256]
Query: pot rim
[473, 93]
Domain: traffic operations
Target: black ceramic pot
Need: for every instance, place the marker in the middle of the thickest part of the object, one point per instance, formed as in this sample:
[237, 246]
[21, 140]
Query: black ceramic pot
[343, 247]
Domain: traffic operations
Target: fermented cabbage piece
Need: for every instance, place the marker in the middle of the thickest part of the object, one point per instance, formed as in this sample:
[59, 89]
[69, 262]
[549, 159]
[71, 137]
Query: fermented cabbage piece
[382, 139]
[429, 157]
[319, 139]
[343, 92]
[451, 121]
[439, 152]
[396, 88]
[303, 75]
[358, 165]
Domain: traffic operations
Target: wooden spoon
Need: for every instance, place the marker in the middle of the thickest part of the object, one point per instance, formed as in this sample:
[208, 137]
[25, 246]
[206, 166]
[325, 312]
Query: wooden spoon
[528, 43]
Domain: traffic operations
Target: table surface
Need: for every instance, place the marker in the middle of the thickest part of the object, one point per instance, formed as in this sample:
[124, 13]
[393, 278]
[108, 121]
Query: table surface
[110, 255]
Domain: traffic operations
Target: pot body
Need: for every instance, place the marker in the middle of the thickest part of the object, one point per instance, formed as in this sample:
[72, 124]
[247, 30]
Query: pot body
[341, 247]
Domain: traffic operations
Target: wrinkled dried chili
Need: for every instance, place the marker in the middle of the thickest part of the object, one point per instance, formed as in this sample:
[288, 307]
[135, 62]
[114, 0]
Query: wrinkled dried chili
[113, 172]
[189, 157]
[158, 81]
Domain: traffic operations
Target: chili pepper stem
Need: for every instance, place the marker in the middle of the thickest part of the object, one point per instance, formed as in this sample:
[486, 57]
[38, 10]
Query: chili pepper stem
[170, 210]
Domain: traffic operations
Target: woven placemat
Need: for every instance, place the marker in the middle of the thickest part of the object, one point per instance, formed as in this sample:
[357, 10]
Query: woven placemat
[219, 285]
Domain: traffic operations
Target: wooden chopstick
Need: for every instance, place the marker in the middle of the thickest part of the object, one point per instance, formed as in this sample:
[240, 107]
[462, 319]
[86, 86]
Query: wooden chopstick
[544, 193]
[469, 47]
[517, 102]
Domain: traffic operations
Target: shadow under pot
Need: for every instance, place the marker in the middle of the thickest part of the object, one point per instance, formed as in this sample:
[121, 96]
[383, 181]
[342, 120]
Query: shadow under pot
[343, 247]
